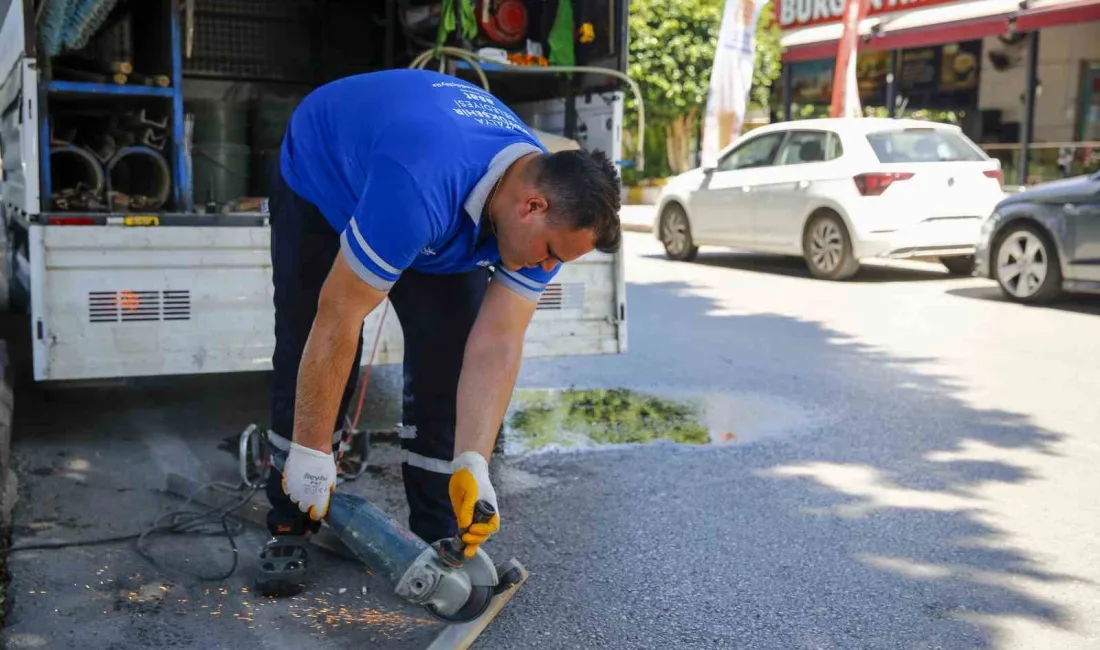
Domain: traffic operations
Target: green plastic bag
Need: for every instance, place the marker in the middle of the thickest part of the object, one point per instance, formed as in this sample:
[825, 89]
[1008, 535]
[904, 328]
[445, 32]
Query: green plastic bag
[447, 21]
[560, 38]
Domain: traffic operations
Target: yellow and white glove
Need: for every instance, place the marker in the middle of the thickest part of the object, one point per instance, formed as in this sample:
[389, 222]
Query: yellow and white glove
[309, 477]
[469, 484]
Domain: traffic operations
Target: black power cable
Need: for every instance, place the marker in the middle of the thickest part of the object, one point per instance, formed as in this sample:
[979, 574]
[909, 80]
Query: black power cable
[181, 521]
[210, 521]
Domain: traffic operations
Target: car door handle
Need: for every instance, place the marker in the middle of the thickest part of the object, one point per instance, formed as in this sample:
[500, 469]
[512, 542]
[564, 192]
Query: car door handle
[746, 188]
[803, 184]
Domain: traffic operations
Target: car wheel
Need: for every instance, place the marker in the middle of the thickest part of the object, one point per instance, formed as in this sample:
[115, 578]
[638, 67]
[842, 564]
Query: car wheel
[676, 234]
[961, 265]
[1027, 265]
[828, 248]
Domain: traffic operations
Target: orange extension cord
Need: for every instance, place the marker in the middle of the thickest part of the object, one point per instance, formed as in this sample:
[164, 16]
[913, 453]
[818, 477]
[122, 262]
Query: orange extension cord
[364, 378]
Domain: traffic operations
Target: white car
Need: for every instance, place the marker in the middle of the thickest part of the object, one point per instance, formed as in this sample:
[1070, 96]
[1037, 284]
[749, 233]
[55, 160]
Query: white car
[836, 191]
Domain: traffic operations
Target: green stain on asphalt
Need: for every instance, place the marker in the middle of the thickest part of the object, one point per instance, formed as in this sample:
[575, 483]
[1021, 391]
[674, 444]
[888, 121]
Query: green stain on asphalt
[579, 418]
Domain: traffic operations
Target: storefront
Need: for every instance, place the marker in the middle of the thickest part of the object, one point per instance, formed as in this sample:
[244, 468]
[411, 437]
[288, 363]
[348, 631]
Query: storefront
[1021, 77]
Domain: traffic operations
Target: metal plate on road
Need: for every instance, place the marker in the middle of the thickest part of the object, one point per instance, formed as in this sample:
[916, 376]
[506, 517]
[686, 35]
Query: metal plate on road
[460, 636]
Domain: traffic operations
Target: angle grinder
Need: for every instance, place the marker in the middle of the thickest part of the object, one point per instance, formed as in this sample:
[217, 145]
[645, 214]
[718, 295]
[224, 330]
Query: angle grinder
[438, 576]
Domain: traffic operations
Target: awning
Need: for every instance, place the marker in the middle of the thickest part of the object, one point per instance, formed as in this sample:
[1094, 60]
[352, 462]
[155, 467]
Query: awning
[940, 24]
[1051, 13]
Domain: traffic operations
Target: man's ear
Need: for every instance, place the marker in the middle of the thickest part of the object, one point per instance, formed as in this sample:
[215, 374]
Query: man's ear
[537, 204]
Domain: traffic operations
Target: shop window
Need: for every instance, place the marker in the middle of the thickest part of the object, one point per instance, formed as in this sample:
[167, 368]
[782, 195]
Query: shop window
[1088, 122]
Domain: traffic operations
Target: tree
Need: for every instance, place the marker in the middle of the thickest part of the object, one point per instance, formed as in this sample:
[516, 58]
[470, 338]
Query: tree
[671, 56]
[769, 58]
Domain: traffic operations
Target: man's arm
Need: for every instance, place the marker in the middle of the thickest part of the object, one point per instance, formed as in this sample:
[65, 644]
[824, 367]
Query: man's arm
[330, 349]
[489, 368]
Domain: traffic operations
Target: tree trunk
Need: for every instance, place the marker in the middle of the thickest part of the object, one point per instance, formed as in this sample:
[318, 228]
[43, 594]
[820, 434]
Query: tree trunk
[678, 138]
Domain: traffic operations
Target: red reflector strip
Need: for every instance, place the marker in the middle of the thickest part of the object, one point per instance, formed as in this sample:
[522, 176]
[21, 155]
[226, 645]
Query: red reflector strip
[71, 221]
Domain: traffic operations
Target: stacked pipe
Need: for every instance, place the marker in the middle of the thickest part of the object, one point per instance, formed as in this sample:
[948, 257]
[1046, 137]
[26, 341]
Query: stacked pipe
[115, 162]
[85, 46]
[138, 178]
[78, 178]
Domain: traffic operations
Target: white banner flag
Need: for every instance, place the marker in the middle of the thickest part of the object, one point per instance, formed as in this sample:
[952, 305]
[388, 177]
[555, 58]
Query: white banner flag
[731, 78]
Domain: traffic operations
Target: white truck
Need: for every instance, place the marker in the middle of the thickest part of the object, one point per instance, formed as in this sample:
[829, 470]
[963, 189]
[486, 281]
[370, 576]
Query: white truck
[123, 267]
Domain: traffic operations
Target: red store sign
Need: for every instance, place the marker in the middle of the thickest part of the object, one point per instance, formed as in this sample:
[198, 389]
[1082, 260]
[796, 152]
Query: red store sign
[801, 13]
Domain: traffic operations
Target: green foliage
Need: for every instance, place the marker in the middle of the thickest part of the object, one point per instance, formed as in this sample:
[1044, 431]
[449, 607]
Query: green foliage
[671, 57]
[935, 115]
[809, 111]
[448, 22]
[656, 155]
[671, 53]
[617, 416]
[931, 114]
[620, 416]
[769, 59]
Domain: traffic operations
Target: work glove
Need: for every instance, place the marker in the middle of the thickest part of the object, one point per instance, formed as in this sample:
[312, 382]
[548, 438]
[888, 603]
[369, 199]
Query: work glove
[309, 477]
[469, 484]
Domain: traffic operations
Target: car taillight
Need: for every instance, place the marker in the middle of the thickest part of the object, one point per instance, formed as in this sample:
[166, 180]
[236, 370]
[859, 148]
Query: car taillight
[876, 183]
[998, 174]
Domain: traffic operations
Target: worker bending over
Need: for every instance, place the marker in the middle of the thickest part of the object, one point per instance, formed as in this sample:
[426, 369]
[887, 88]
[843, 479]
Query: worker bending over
[425, 189]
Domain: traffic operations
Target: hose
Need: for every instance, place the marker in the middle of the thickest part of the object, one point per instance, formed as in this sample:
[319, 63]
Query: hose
[472, 58]
[422, 59]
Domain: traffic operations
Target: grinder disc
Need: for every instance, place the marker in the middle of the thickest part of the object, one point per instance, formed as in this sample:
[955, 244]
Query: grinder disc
[475, 606]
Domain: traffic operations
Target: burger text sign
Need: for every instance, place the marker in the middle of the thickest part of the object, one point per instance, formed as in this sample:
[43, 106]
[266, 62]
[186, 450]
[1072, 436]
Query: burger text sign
[800, 13]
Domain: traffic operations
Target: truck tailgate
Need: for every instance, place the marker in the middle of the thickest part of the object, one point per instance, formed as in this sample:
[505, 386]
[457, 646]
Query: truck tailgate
[141, 301]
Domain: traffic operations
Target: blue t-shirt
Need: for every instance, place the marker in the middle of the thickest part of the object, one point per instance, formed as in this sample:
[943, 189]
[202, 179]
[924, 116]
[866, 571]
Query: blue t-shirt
[401, 163]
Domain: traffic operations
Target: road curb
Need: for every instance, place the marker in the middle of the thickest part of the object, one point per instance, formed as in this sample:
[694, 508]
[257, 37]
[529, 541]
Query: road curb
[637, 227]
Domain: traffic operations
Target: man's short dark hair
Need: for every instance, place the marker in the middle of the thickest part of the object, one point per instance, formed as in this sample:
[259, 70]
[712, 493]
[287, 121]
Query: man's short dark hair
[582, 188]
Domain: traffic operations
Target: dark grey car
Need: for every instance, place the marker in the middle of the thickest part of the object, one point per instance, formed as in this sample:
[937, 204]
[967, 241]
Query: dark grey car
[1044, 240]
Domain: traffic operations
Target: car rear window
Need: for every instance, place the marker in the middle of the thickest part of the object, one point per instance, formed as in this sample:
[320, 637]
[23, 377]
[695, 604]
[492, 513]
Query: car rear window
[922, 145]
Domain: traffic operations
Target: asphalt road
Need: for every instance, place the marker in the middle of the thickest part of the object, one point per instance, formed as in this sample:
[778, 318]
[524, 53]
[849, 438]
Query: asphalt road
[911, 465]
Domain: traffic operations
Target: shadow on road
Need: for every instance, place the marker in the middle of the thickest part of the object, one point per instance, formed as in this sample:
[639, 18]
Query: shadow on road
[91, 462]
[796, 267]
[866, 529]
[1081, 304]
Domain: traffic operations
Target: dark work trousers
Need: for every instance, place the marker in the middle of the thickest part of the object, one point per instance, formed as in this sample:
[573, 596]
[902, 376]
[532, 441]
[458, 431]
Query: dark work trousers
[436, 313]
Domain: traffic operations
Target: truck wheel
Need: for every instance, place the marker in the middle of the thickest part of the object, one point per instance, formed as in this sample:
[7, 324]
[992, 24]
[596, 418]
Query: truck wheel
[1027, 265]
[676, 234]
[828, 248]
